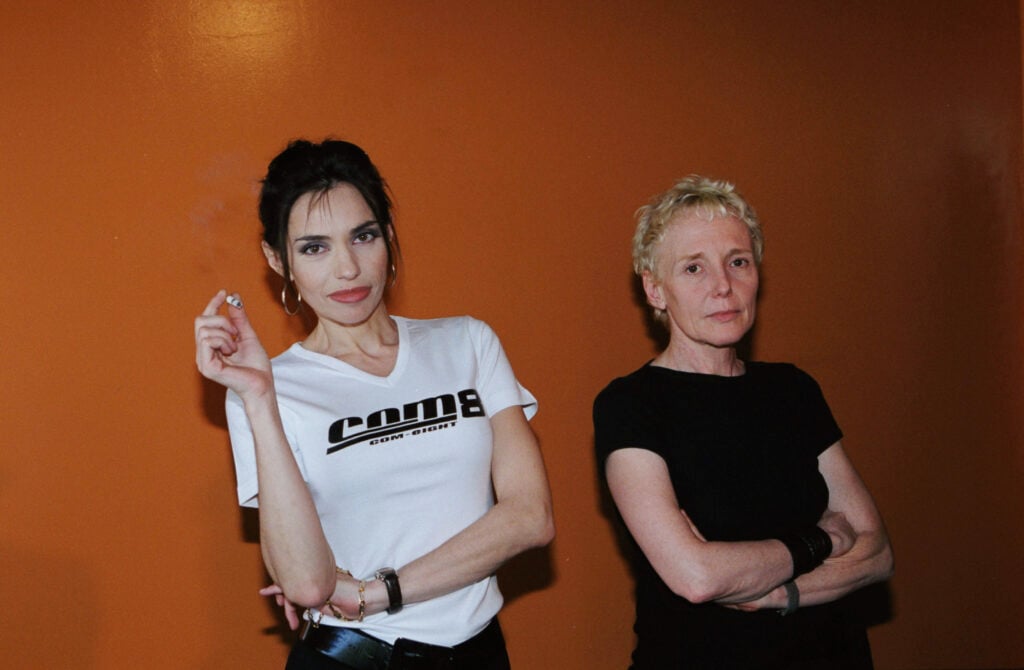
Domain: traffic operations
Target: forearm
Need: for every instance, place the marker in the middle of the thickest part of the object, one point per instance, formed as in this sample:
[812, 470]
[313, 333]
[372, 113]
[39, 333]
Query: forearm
[870, 558]
[507, 529]
[869, 561]
[729, 572]
[292, 540]
[521, 518]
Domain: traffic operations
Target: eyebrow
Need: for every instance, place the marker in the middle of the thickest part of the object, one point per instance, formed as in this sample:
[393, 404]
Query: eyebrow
[700, 255]
[361, 228]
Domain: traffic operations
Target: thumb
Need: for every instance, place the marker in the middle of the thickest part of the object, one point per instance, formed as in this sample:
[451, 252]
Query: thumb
[238, 316]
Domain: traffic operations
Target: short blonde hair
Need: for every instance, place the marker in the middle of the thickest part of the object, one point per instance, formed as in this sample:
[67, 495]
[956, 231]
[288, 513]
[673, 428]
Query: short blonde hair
[709, 198]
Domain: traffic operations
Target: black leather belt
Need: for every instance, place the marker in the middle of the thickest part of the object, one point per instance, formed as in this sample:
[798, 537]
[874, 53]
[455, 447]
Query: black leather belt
[355, 648]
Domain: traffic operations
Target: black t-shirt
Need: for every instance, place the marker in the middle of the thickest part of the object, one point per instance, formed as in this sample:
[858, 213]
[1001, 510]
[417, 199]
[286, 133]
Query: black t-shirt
[742, 456]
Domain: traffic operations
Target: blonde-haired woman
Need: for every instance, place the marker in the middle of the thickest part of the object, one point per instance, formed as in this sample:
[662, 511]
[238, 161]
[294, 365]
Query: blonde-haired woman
[750, 522]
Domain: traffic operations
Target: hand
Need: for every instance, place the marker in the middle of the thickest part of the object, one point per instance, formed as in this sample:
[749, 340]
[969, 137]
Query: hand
[228, 351]
[839, 531]
[774, 599]
[291, 613]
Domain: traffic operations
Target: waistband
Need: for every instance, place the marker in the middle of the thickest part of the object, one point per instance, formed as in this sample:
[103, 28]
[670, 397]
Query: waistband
[361, 651]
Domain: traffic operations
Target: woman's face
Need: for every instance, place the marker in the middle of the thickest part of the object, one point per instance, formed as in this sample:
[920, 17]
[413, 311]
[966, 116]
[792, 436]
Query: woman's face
[706, 280]
[338, 255]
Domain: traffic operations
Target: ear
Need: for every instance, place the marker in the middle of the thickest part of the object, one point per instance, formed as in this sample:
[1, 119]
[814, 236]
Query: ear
[273, 259]
[652, 289]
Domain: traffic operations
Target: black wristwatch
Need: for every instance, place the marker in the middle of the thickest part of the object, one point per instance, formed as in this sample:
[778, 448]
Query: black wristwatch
[390, 579]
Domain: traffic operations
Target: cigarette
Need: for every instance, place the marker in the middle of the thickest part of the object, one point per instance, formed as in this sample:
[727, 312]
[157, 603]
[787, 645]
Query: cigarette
[234, 301]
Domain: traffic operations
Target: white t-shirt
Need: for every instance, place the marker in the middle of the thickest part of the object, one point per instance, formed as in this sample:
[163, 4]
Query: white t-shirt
[396, 465]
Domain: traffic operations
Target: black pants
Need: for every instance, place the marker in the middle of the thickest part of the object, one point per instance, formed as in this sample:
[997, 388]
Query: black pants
[492, 656]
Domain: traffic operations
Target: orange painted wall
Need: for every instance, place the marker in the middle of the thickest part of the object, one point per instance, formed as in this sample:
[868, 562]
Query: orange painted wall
[880, 142]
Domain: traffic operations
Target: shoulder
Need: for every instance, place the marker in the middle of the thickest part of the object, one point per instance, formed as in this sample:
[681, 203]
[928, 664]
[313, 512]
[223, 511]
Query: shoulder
[445, 325]
[450, 331]
[779, 372]
[634, 385]
[786, 381]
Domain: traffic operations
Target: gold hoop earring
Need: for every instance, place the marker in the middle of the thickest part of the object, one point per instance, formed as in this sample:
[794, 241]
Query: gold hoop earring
[284, 300]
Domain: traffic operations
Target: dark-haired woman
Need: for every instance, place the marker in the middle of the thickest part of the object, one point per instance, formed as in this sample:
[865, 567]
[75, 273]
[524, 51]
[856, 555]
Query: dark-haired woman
[391, 459]
[750, 522]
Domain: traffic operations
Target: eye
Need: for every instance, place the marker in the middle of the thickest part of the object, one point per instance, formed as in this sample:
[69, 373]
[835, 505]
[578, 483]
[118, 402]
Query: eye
[311, 249]
[366, 236]
[740, 262]
[691, 269]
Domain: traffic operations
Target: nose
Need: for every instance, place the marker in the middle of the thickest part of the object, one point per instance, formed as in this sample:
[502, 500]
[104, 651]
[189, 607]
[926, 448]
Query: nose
[722, 285]
[346, 265]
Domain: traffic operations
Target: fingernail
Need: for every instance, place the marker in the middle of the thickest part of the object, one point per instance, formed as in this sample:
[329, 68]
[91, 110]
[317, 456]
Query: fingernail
[234, 301]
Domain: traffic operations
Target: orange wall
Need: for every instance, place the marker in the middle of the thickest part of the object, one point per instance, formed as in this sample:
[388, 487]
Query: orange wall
[880, 142]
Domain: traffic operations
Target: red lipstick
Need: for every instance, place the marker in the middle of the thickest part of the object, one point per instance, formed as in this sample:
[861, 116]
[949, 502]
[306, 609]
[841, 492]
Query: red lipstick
[350, 295]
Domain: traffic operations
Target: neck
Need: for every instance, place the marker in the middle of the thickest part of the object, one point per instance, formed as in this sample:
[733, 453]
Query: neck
[703, 359]
[374, 337]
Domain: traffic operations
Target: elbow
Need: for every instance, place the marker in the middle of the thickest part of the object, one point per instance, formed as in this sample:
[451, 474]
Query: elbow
[696, 586]
[699, 591]
[546, 533]
[886, 563]
[541, 528]
[309, 594]
[310, 590]
[696, 593]
[536, 526]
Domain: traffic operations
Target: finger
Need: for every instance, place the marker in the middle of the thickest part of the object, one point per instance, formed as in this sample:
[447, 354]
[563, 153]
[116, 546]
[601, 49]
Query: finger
[215, 335]
[215, 303]
[213, 321]
[271, 590]
[210, 346]
[292, 615]
[239, 317]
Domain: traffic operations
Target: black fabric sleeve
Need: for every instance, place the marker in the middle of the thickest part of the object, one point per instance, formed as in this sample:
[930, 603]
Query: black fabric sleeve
[822, 431]
[621, 420]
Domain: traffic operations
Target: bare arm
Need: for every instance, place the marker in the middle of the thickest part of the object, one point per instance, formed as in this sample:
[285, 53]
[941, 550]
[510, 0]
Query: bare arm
[292, 540]
[693, 568]
[520, 519]
[869, 560]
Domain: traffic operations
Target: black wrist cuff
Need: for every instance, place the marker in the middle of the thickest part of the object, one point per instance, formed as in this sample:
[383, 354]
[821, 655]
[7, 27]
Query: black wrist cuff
[809, 548]
[390, 579]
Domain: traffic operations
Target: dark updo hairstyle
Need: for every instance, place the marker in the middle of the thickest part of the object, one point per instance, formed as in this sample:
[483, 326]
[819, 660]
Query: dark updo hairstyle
[305, 167]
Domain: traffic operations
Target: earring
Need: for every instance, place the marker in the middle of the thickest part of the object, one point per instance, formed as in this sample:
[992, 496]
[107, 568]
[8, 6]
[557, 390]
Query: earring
[394, 275]
[284, 300]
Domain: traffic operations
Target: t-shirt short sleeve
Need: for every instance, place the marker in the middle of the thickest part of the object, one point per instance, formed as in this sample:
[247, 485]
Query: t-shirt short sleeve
[622, 420]
[821, 428]
[496, 381]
